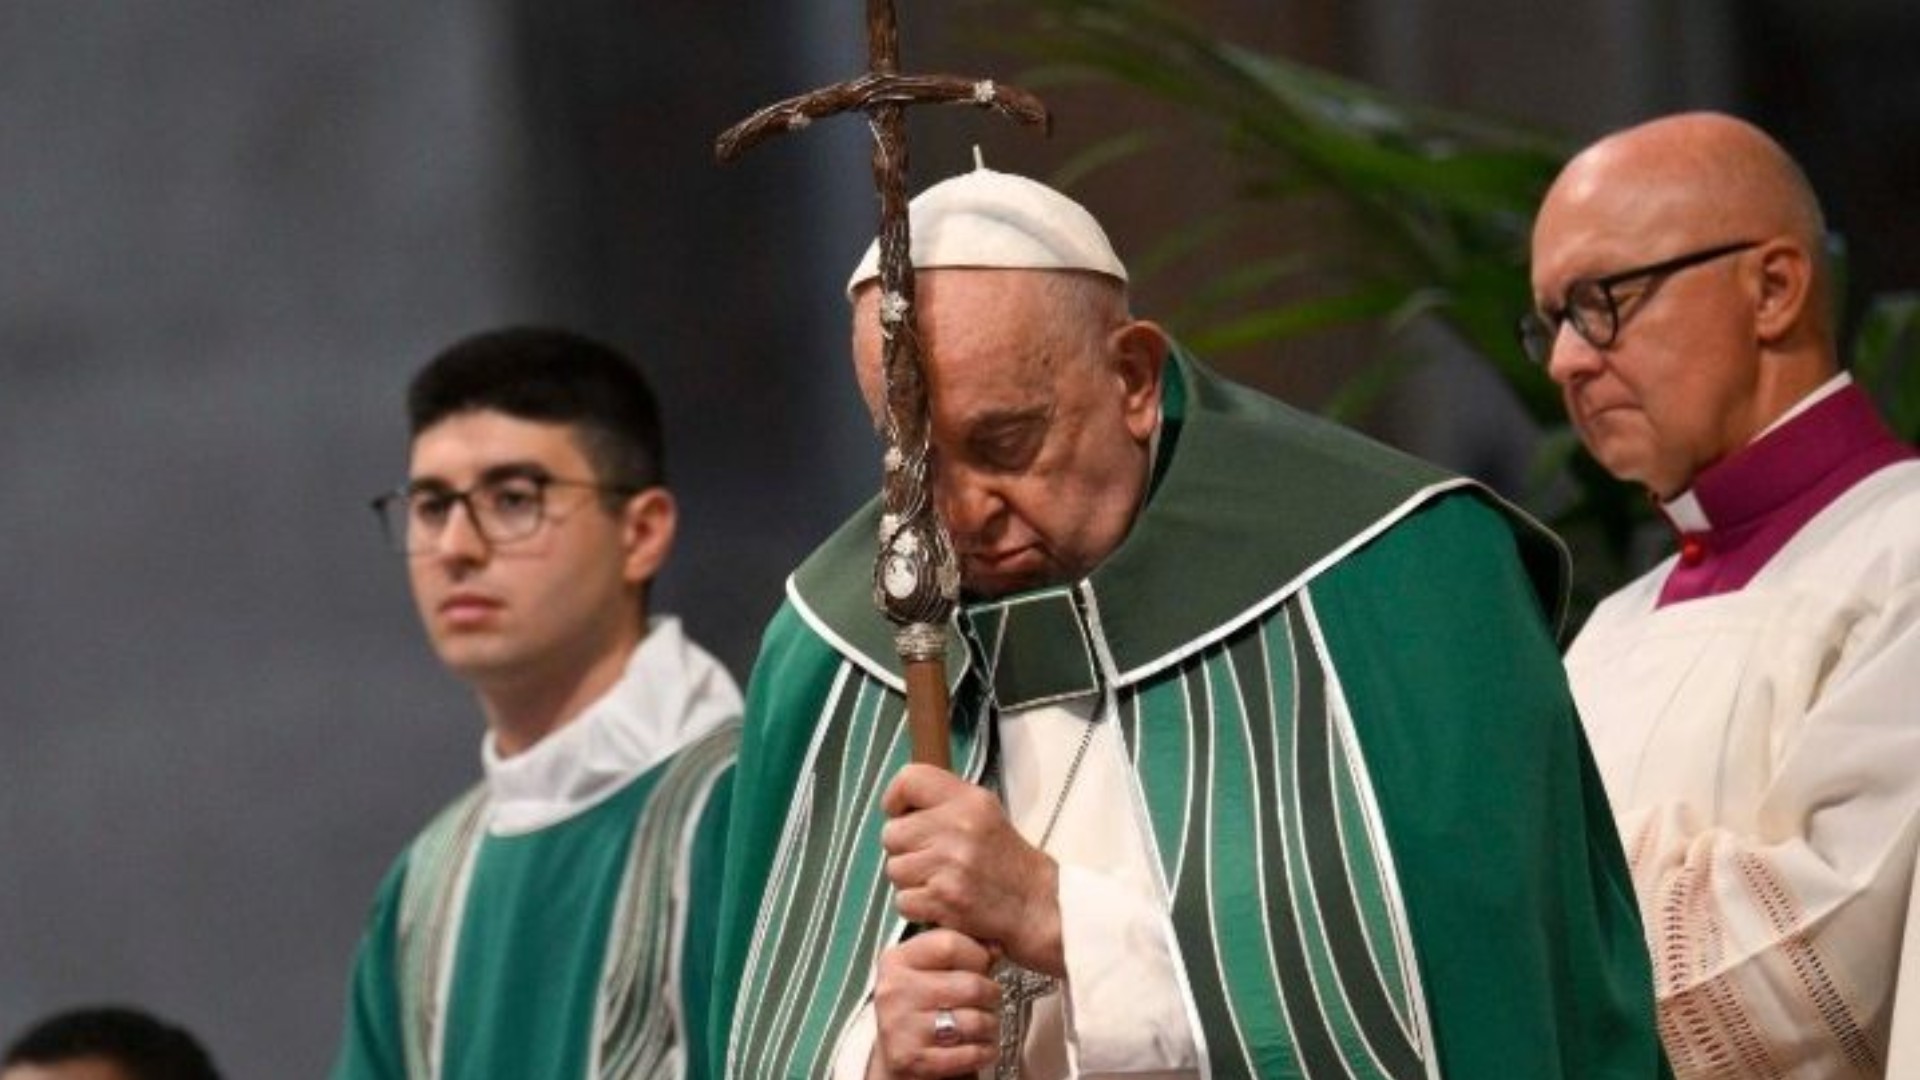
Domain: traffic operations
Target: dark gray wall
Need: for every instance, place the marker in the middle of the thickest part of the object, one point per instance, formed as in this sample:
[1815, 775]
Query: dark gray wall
[228, 233]
[228, 229]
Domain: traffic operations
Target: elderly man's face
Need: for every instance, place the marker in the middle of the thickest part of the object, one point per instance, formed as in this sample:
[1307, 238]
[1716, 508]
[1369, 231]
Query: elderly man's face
[1042, 421]
[1675, 391]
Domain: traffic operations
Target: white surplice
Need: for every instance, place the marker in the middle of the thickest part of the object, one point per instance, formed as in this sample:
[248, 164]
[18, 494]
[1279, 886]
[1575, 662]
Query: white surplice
[1762, 752]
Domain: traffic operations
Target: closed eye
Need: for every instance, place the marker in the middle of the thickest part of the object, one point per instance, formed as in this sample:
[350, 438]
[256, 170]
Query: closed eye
[1008, 442]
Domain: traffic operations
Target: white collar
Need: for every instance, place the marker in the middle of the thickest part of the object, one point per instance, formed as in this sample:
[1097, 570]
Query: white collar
[671, 693]
[1820, 393]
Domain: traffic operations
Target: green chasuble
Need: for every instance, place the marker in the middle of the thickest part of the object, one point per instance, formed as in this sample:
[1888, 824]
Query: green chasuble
[1379, 839]
[578, 949]
[563, 938]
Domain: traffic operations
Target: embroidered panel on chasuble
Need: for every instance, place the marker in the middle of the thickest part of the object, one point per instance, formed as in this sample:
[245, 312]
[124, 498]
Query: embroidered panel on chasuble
[1287, 917]
[827, 910]
[631, 1033]
[1291, 927]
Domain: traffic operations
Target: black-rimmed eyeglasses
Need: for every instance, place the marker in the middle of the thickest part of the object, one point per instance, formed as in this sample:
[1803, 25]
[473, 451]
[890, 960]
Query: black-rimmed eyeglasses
[1592, 309]
[501, 509]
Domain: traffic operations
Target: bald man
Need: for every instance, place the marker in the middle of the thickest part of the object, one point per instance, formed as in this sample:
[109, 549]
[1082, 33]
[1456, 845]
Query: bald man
[1753, 702]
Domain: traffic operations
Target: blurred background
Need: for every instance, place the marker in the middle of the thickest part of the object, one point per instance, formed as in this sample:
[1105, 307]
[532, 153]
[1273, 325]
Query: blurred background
[229, 232]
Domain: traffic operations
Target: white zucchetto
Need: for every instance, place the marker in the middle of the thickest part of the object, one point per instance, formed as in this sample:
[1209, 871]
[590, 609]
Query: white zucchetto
[996, 220]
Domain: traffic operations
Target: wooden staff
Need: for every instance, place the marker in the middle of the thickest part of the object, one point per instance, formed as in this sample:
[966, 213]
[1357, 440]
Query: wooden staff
[916, 579]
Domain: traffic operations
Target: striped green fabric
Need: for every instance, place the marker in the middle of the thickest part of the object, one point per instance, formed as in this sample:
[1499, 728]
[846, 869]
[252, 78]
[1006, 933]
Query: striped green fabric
[427, 916]
[634, 900]
[1288, 917]
[1318, 651]
[1237, 742]
[828, 910]
[635, 1034]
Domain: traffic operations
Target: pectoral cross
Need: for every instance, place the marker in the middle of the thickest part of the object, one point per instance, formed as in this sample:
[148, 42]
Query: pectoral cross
[1019, 989]
[916, 579]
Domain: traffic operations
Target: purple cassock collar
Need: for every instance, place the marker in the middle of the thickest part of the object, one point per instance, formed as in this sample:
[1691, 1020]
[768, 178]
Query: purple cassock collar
[1742, 510]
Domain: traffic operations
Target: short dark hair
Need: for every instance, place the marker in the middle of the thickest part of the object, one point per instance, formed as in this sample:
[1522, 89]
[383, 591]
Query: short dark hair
[136, 1041]
[551, 376]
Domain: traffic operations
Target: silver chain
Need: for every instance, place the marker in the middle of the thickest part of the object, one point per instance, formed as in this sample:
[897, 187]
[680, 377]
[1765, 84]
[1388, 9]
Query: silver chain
[1073, 773]
[992, 779]
[1019, 987]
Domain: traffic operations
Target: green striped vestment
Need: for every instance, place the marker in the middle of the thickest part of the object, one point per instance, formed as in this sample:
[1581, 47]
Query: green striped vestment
[563, 952]
[1383, 849]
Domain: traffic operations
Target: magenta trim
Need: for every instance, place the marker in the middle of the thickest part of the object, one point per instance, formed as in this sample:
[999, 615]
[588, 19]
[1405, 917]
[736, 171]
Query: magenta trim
[1759, 498]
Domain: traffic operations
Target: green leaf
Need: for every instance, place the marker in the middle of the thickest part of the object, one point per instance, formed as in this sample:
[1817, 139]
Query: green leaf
[1412, 213]
[1292, 319]
[1106, 152]
[1886, 359]
[1369, 382]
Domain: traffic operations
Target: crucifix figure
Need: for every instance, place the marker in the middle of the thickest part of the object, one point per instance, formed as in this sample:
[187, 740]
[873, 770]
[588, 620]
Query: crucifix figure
[916, 579]
[1019, 989]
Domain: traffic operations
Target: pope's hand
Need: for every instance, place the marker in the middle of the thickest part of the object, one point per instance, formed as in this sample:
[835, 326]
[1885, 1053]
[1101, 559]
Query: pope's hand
[936, 1009]
[957, 862]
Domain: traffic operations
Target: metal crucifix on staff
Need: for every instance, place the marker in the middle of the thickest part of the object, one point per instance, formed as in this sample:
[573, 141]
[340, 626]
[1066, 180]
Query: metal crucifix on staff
[916, 579]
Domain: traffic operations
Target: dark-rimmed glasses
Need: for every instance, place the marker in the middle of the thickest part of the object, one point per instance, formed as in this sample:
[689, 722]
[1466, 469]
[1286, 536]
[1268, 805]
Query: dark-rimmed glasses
[501, 509]
[1592, 309]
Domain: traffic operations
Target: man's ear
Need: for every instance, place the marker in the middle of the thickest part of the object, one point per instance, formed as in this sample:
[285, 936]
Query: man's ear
[1785, 289]
[1139, 350]
[647, 524]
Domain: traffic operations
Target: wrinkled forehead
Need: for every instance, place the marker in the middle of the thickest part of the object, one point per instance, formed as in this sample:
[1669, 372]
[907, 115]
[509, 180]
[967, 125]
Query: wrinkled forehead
[961, 309]
[984, 335]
